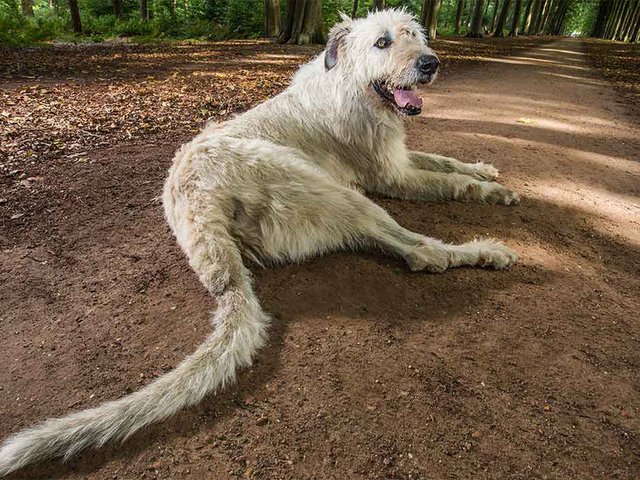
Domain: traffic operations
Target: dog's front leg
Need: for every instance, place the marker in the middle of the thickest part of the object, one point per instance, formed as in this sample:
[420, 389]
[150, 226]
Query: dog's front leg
[415, 184]
[439, 163]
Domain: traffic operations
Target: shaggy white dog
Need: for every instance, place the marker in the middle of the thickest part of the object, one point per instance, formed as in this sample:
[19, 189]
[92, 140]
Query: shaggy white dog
[282, 182]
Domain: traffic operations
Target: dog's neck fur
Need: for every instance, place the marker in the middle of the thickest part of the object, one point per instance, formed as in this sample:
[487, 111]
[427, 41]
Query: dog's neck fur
[360, 139]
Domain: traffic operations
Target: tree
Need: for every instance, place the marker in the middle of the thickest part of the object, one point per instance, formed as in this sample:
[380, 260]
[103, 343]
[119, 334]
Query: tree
[550, 6]
[535, 10]
[495, 15]
[634, 23]
[117, 8]
[459, 11]
[378, 5]
[477, 27]
[617, 20]
[272, 18]
[526, 17]
[429, 16]
[303, 23]
[557, 22]
[354, 12]
[75, 16]
[470, 10]
[144, 13]
[502, 19]
[27, 8]
[515, 21]
[538, 15]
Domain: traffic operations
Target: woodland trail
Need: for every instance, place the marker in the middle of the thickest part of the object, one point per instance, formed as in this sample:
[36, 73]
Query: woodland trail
[372, 371]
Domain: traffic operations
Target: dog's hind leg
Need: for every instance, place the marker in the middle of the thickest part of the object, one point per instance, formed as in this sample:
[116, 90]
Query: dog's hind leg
[439, 163]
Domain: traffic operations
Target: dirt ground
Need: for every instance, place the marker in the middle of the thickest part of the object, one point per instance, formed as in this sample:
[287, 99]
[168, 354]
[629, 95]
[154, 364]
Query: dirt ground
[371, 371]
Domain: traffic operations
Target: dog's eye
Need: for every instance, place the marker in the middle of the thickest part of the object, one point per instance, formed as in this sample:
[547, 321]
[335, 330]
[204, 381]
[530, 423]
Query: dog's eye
[382, 42]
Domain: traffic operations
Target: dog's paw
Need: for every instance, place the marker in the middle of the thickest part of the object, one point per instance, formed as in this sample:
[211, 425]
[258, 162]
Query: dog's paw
[494, 193]
[432, 258]
[492, 253]
[483, 171]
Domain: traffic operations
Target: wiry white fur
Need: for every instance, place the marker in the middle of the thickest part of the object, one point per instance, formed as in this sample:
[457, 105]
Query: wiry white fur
[282, 182]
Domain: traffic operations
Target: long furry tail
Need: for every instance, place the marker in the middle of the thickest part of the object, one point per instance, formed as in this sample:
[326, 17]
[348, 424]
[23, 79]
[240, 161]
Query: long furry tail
[240, 331]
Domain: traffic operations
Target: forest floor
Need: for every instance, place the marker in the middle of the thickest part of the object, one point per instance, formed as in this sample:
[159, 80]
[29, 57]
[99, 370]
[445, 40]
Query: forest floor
[371, 371]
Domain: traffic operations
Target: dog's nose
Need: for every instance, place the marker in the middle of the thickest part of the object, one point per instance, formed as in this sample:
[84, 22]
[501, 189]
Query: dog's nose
[427, 64]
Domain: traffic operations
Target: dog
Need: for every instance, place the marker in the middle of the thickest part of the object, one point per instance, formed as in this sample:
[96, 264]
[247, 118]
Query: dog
[284, 182]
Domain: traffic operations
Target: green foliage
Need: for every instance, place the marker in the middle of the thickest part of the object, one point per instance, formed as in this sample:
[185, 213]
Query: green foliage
[581, 17]
[18, 30]
[245, 18]
[214, 19]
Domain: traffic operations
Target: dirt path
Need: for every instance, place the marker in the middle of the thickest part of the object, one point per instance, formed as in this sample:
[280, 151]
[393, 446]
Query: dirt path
[372, 372]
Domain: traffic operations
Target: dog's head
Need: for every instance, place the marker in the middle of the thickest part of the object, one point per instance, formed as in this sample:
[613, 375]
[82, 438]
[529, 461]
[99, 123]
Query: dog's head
[386, 54]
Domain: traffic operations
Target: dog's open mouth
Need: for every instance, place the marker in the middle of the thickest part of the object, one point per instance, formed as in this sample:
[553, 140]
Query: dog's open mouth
[404, 99]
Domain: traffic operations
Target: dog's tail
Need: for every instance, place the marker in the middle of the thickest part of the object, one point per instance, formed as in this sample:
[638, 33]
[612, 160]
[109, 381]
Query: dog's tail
[240, 329]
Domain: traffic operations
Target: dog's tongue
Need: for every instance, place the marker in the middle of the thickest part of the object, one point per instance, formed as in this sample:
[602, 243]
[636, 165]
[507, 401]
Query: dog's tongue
[404, 98]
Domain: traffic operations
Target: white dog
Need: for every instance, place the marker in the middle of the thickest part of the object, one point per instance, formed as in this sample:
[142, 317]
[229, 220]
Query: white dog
[282, 182]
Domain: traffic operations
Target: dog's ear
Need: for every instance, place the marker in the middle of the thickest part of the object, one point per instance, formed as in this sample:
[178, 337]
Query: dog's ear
[336, 39]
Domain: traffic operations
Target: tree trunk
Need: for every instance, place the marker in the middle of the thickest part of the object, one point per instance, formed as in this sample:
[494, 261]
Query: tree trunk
[27, 8]
[144, 14]
[502, 19]
[312, 29]
[557, 20]
[633, 20]
[378, 5]
[272, 18]
[616, 21]
[544, 18]
[424, 12]
[429, 17]
[610, 14]
[117, 8]
[495, 15]
[354, 12]
[515, 21]
[477, 30]
[458, 17]
[470, 10]
[535, 11]
[635, 33]
[601, 18]
[628, 18]
[624, 12]
[287, 28]
[75, 16]
[537, 18]
[303, 23]
[526, 18]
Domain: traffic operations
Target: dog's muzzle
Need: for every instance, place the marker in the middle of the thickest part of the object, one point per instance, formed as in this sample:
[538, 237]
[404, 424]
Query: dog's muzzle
[428, 66]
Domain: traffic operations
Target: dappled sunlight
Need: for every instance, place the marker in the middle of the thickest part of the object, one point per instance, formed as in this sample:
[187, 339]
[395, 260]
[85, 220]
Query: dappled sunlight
[615, 213]
[568, 52]
[582, 80]
[532, 61]
[526, 113]
[546, 255]
[548, 158]
[631, 167]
